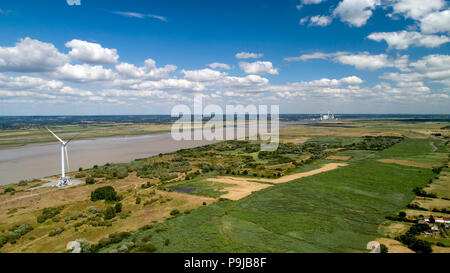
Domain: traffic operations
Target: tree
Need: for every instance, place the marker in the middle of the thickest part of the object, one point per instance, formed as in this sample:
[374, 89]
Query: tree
[402, 214]
[138, 200]
[118, 207]
[104, 193]
[383, 248]
[110, 213]
[90, 180]
[422, 246]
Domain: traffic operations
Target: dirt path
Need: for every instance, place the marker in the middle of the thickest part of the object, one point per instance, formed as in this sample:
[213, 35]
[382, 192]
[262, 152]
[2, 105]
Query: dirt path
[25, 196]
[287, 178]
[434, 146]
[245, 186]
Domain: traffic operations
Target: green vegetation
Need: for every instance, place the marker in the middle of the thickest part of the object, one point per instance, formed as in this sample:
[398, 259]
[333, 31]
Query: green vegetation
[56, 231]
[110, 213]
[118, 207]
[49, 213]
[412, 242]
[106, 193]
[14, 234]
[90, 180]
[347, 204]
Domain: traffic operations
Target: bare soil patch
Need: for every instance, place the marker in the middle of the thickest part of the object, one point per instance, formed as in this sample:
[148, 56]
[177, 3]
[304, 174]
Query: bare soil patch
[440, 249]
[241, 186]
[325, 168]
[245, 186]
[394, 246]
[431, 203]
[339, 157]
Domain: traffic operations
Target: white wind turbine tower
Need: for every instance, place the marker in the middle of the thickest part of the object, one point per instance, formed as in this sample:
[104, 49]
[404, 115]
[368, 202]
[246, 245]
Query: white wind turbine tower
[63, 180]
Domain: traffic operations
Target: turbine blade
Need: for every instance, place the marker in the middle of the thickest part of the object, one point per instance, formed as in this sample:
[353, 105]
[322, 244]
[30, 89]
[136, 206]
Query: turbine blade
[60, 140]
[67, 158]
[71, 139]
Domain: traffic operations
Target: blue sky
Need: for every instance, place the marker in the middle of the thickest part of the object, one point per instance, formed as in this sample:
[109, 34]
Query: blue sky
[143, 57]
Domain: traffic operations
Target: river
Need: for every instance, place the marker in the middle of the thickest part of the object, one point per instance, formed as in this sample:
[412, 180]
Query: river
[41, 160]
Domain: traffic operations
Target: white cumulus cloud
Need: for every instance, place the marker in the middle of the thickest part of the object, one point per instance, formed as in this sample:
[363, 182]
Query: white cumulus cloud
[403, 39]
[355, 12]
[248, 55]
[436, 22]
[259, 67]
[29, 55]
[416, 9]
[219, 65]
[320, 20]
[148, 71]
[203, 75]
[91, 53]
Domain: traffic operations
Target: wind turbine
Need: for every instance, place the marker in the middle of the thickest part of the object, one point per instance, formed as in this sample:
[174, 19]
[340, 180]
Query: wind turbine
[63, 180]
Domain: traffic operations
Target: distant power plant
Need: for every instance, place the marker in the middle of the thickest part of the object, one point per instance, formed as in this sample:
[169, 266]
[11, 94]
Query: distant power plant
[329, 116]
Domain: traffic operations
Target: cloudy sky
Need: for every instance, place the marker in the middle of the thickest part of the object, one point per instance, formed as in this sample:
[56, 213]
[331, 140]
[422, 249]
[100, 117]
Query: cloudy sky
[144, 57]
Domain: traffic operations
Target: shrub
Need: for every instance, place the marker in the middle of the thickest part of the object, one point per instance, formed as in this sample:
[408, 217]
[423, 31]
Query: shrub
[146, 227]
[15, 233]
[10, 190]
[22, 183]
[145, 247]
[383, 249]
[118, 207]
[174, 212]
[110, 213]
[3, 240]
[49, 213]
[437, 170]
[166, 242]
[56, 231]
[104, 193]
[93, 209]
[420, 192]
[113, 238]
[147, 238]
[80, 175]
[138, 200]
[402, 214]
[90, 180]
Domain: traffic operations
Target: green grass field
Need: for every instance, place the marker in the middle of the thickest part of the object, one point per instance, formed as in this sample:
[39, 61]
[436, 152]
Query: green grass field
[419, 150]
[336, 211]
